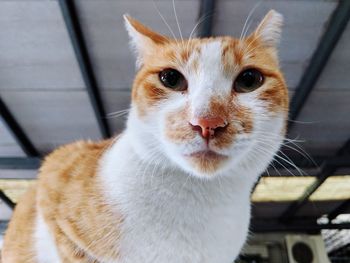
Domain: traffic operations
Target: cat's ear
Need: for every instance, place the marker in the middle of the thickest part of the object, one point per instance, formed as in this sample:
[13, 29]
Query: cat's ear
[143, 40]
[270, 28]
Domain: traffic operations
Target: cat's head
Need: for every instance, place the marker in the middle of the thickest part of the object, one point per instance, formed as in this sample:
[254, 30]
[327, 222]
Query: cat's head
[208, 105]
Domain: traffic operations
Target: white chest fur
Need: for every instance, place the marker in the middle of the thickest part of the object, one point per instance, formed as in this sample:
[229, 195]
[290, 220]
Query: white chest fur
[172, 217]
[45, 247]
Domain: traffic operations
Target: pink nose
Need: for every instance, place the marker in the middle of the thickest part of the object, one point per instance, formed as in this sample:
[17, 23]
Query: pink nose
[207, 126]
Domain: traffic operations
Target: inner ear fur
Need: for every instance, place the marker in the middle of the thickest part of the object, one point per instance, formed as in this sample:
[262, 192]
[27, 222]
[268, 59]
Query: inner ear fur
[143, 40]
[269, 30]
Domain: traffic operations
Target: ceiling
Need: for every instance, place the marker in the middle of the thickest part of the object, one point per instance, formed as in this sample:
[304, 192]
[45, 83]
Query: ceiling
[45, 90]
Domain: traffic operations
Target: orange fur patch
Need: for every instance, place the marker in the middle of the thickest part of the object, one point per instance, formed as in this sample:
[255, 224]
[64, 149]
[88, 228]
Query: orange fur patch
[19, 240]
[231, 56]
[207, 164]
[148, 91]
[276, 96]
[240, 120]
[177, 129]
[73, 206]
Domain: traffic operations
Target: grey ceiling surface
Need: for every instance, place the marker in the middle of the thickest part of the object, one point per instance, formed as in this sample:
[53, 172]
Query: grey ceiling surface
[53, 118]
[41, 83]
[8, 145]
[35, 49]
[40, 78]
[325, 118]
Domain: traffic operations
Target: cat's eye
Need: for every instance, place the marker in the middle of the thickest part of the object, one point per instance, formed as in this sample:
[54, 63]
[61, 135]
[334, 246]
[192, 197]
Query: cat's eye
[248, 80]
[173, 79]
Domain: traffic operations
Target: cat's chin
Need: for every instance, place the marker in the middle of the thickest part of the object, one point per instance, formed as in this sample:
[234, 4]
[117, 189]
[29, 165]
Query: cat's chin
[207, 155]
[204, 164]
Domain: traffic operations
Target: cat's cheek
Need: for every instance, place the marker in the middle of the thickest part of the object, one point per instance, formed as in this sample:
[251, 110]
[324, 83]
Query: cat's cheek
[148, 97]
[176, 127]
[276, 99]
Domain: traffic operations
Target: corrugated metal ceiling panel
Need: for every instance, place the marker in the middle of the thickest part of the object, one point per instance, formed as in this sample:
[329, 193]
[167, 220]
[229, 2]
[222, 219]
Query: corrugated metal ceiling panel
[35, 51]
[39, 75]
[326, 113]
[53, 118]
[8, 145]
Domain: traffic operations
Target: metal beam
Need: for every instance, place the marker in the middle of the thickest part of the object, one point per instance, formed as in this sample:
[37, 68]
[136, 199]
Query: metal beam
[69, 13]
[342, 208]
[33, 163]
[305, 162]
[308, 168]
[3, 226]
[328, 169]
[7, 200]
[327, 43]
[19, 163]
[206, 18]
[263, 226]
[17, 132]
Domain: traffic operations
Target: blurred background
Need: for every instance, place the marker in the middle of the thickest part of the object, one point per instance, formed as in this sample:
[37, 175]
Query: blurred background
[65, 67]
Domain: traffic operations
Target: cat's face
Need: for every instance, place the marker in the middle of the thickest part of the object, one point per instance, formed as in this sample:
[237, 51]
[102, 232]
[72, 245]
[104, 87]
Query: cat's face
[209, 105]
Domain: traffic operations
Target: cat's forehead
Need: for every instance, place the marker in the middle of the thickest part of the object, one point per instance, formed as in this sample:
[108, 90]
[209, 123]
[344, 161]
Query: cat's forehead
[225, 53]
[206, 46]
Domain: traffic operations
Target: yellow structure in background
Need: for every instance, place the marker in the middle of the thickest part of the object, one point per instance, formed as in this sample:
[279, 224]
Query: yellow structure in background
[15, 188]
[279, 189]
[269, 189]
[286, 189]
[334, 188]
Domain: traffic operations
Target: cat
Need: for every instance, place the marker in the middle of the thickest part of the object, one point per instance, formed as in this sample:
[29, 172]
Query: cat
[207, 116]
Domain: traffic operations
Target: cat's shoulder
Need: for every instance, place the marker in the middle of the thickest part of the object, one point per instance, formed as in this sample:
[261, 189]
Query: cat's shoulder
[78, 149]
[81, 157]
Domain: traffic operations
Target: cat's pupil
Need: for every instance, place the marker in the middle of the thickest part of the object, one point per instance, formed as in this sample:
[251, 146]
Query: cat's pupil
[248, 78]
[171, 77]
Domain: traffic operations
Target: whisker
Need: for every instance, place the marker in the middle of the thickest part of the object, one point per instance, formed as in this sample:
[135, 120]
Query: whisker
[301, 171]
[200, 21]
[286, 142]
[247, 29]
[177, 20]
[117, 114]
[289, 161]
[274, 167]
[303, 122]
[248, 17]
[164, 20]
[263, 151]
[301, 151]
[168, 26]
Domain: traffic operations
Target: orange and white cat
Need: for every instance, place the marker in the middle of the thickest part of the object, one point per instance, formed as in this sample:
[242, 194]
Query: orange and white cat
[207, 116]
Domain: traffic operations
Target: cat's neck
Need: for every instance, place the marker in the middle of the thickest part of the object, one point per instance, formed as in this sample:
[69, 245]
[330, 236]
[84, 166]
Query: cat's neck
[122, 168]
[161, 204]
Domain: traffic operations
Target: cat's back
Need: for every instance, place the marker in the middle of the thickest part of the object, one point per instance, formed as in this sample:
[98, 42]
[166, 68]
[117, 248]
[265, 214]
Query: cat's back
[71, 162]
[19, 236]
[66, 203]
